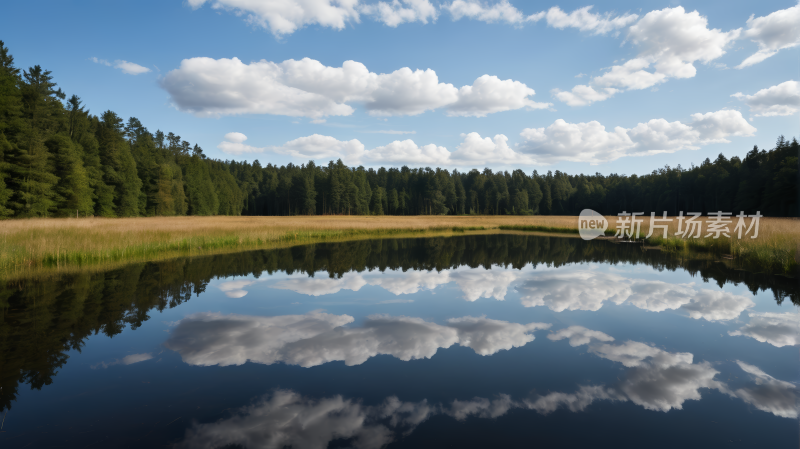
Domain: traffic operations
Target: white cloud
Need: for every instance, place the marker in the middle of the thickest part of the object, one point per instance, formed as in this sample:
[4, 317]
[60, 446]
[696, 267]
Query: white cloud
[502, 11]
[769, 394]
[396, 12]
[585, 20]
[475, 150]
[670, 41]
[590, 290]
[777, 329]
[322, 147]
[100, 61]
[490, 94]
[478, 284]
[579, 335]
[561, 141]
[234, 144]
[581, 290]
[656, 379]
[574, 402]
[783, 99]
[127, 67]
[659, 380]
[474, 283]
[498, 12]
[283, 17]
[481, 407]
[315, 338]
[772, 33]
[408, 152]
[214, 87]
[127, 360]
[591, 142]
[286, 419]
[235, 289]
[318, 286]
[409, 282]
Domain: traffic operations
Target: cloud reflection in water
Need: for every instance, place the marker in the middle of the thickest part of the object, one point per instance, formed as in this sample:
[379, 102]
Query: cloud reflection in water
[316, 338]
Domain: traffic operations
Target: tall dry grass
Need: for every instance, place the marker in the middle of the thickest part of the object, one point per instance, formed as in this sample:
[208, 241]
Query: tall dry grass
[33, 245]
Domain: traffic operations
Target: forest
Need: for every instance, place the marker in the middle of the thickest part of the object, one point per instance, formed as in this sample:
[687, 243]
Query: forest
[59, 160]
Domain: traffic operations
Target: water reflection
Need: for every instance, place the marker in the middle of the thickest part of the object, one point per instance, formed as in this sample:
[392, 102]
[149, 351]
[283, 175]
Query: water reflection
[46, 320]
[127, 360]
[286, 419]
[656, 380]
[316, 338]
[568, 288]
[777, 329]
[474, 284]
[588, 290]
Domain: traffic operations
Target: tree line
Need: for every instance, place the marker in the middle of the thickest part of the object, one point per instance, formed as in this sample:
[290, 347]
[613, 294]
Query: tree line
[57, 159]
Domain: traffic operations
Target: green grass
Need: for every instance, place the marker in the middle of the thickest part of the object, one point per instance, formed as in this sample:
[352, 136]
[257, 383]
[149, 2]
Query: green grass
[557, 230]
[20, 262]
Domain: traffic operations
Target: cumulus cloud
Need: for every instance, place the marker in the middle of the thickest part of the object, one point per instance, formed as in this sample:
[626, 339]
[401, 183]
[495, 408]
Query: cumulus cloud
[660, 380]
[214, 87]
[772, 33]
[235, 289]
[396, 12]
[777, 329]
[561, 141]
[490, 94]
[287, 419]
[283, 17]
[574, 402]
[234, 144]
[591, 142]
[318, 286]
[577, 290]
[670, 42]
[579, 335]
[127, 67]
[315, 338]
[589, 290]
[127, 360]
[408, 152]
[783, 99]
[474, 283]
[478, 284]
[481, 407]
[769, 394]
[477, 150]
[583, 18]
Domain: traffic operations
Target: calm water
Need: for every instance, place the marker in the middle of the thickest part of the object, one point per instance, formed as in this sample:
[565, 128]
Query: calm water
[474, 341]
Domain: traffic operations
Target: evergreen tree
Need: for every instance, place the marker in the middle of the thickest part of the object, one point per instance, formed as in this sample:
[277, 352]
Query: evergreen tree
[73, 191]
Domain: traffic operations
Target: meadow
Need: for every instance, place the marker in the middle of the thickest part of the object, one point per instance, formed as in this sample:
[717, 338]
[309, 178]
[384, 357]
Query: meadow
[32, 246]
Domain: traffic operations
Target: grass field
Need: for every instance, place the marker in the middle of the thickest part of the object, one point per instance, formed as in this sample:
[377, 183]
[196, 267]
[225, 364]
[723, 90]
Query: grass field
[44, 245]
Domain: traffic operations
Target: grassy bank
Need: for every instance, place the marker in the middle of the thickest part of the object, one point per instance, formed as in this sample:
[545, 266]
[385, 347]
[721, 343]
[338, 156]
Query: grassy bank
[46, 245]
[775, 250]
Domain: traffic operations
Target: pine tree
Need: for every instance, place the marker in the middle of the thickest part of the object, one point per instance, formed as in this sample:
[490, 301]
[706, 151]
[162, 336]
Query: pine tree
[73, 191]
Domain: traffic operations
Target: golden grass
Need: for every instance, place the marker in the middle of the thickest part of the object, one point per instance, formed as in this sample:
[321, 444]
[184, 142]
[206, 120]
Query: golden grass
[33, 245]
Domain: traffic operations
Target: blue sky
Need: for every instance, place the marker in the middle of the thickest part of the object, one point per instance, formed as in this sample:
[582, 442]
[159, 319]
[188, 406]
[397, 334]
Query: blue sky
[622, 88]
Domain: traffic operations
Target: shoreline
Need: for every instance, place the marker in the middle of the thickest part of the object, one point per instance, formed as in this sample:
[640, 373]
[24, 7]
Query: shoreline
[37, 247]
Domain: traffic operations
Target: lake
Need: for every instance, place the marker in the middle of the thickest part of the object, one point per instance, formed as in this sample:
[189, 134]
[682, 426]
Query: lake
[467, 341]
